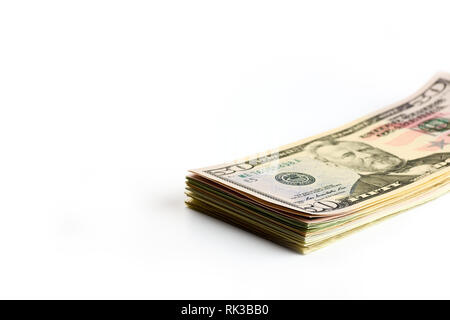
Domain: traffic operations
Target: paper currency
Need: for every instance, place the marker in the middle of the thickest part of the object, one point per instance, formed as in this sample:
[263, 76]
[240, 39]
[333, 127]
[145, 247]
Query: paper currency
[305, 194]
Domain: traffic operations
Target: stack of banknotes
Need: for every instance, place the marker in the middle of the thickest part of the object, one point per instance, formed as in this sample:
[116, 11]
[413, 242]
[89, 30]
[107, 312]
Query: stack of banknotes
[307, 194]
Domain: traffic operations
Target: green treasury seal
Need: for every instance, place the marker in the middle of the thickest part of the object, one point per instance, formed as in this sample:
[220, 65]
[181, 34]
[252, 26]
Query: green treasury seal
[295, 178]
[435, 125]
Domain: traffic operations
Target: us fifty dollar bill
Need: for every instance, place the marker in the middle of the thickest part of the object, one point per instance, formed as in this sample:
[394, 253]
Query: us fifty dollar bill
[374, 158]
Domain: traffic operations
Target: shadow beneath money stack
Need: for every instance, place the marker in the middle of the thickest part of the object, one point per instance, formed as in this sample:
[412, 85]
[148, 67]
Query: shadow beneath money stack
[210, 227]
[200, 215]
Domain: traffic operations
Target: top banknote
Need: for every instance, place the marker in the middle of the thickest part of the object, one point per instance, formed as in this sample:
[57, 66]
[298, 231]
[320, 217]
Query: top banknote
[367, 161]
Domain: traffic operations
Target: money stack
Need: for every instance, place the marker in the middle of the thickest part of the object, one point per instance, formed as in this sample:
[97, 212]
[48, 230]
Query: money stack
[306, 194]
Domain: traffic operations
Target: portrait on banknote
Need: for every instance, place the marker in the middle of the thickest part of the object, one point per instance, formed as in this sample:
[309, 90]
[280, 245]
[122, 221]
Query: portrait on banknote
[377, 168]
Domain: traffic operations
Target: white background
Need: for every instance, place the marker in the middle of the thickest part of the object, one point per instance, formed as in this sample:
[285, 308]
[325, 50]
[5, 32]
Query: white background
[104, 106]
